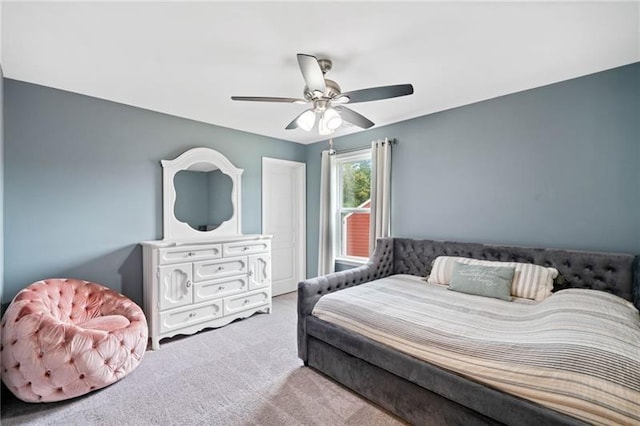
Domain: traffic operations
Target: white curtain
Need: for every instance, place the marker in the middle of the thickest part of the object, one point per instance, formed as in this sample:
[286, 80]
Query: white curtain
[326, 256]
[380, 221]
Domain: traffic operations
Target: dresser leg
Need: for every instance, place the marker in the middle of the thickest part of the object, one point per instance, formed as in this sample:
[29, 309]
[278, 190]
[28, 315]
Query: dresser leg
[155, 343]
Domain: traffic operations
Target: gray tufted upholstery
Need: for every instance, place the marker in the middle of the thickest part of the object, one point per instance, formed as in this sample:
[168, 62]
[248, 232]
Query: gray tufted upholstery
[610, 272]
[310, 291]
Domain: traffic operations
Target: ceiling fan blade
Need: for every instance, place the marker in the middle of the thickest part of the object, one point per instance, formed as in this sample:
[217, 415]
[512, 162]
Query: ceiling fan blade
[311, 72]
[354, 118]
[268, 99]
[377, 93]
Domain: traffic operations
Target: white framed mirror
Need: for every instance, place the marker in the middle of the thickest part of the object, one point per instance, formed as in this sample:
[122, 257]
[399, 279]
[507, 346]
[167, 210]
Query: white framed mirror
[201, 196]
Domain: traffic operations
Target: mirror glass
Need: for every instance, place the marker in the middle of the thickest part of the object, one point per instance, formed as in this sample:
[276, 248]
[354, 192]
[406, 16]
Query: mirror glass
[203, 197]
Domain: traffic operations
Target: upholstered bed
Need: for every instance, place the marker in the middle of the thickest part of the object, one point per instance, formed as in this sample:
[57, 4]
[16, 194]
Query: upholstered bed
[383, 331]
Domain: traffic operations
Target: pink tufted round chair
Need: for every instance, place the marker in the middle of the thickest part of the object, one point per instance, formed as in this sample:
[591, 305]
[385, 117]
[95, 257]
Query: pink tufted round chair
[62, 338]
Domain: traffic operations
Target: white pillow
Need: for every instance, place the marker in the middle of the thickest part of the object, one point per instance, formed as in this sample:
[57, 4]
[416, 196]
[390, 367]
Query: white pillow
[529, 281]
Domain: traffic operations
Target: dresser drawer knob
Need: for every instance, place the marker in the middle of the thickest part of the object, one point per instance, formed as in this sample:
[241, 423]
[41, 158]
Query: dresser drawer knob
[246, 248]
[191, 253]
[221, 287]
[192, 315]
[220, 268]
[246, 301]
[188, 284]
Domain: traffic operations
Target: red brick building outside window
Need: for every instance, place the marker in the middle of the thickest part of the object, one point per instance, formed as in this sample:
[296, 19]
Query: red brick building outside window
[356, 230]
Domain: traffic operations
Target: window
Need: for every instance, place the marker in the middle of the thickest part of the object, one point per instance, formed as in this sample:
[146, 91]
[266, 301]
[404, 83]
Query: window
[353, 199]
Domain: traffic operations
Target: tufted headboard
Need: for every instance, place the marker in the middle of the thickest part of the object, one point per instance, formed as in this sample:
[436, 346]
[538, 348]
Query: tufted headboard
[611, 272]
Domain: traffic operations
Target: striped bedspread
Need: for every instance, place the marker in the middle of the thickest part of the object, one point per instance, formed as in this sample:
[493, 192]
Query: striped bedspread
[577, 352]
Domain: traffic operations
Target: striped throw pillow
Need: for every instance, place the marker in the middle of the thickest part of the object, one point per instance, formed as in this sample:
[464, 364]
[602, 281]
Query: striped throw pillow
[529, 281]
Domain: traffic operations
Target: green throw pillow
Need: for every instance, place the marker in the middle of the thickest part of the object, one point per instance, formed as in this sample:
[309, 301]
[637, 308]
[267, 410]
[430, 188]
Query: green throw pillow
[481, 280]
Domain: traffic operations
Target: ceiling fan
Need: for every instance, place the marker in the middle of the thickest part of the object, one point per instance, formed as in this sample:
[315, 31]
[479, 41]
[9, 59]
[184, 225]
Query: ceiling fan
[327, 100]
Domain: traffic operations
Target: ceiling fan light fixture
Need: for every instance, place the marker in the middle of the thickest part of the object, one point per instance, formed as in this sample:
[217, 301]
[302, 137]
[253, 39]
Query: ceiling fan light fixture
[322, 127]
[332, 119]
[306, 120]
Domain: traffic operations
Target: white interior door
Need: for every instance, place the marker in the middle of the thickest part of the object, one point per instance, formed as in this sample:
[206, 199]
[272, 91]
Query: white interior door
[283, 216]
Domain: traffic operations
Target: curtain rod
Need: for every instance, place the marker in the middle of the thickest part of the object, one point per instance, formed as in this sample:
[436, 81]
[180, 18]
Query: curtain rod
[344, 151]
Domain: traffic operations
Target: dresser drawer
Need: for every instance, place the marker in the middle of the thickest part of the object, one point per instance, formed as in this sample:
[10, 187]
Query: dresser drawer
[219, 288]
[245, 301]
[214, 269]
[189, 253]
[183, 317]
[245, 247]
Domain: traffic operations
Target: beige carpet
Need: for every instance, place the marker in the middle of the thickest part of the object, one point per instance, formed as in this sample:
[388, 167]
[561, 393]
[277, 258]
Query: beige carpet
[246, 373]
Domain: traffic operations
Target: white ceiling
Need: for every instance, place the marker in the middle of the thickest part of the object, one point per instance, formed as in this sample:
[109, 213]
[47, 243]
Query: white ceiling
[187, 59]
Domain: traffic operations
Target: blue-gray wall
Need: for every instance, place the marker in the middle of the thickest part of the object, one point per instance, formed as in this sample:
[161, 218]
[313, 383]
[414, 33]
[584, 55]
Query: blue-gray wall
[556, 166]
[219, 209]
[1, 185]
[203, 198]
[83, 183]
[192, 197]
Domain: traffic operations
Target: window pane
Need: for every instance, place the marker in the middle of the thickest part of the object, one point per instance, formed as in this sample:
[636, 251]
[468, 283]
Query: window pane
[356, 183]
[355, 234]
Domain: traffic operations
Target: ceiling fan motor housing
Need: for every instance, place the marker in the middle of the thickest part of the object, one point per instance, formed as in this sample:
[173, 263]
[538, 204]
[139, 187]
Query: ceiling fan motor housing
[332, 90]
[325, 65]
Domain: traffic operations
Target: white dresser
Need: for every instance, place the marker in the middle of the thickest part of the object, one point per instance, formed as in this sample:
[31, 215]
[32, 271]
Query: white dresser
[189, 286]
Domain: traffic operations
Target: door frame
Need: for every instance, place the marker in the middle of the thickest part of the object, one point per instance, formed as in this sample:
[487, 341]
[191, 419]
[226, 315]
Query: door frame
[300, 233]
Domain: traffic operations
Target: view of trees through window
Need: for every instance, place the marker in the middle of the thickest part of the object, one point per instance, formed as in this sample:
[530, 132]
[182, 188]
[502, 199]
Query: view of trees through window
[356, 182]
